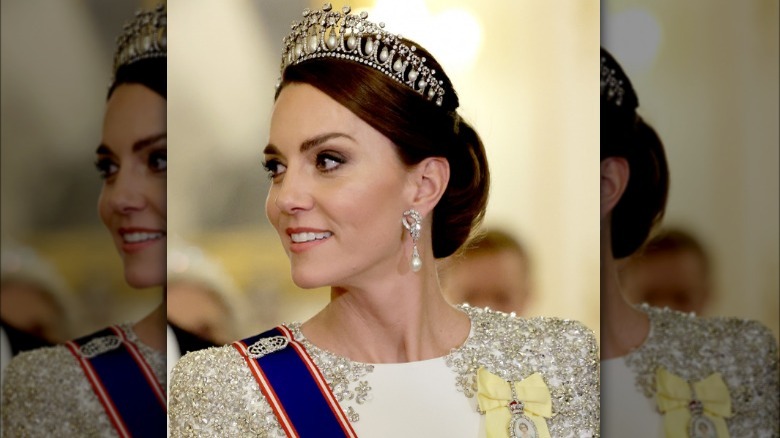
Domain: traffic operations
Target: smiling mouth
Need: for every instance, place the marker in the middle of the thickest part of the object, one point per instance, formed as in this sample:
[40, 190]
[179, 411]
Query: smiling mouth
[309, 237]
[138, 237]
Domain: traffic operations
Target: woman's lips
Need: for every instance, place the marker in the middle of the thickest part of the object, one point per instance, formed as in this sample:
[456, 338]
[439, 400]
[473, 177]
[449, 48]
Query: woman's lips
[134, 239]
[309, 236]
[302, 239]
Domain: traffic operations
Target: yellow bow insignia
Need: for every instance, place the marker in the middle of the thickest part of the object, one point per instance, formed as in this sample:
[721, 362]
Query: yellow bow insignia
[494, 395]
[693, 410]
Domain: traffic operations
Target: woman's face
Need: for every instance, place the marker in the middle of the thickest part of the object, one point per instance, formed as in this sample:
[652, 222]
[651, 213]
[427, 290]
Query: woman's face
[132, 160]
[338, 192]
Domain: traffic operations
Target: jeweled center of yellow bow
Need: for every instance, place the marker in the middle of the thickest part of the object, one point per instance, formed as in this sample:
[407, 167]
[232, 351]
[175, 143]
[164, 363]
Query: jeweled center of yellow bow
[516, 407]
[513, 403]
[689, 406]
[696, 407]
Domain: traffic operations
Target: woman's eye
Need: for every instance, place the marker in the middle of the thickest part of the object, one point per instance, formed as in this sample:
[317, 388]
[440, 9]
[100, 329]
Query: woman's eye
[106, 167]
[274, 168]
[158, 160]
[328, 161]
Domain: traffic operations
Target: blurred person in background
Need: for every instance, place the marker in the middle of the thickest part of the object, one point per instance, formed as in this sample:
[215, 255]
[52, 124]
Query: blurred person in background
[112, 382]
[671, 270]
[37, 308]
[493, 271]
[203, 301]
[664, 372]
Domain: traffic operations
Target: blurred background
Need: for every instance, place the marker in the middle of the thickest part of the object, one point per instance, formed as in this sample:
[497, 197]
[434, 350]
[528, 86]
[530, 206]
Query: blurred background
[526, 76]
[706, 73]
[61, 275]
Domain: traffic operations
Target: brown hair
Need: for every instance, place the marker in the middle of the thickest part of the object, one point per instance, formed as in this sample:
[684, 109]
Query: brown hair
[151, 73]
[418, 128]
[625, 134]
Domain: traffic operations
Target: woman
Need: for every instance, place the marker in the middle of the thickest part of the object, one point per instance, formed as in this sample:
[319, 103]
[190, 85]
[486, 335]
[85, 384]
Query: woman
[111, 383]
[37, 307]
[666, 373]
[374, 177]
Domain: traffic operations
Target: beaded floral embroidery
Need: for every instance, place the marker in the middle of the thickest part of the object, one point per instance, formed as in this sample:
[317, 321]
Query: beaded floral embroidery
[563, 351]
[45, 393]
[744, 352]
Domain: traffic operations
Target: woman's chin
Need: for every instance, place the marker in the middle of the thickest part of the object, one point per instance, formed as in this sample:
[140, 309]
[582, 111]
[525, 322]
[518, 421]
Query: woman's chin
[144, 278]
[309, 280]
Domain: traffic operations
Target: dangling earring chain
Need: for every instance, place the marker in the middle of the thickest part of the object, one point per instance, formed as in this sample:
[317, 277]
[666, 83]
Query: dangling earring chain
[412, 221]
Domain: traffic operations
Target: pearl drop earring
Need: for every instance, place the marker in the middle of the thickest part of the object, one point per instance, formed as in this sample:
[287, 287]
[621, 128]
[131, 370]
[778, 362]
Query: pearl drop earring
[412, 221]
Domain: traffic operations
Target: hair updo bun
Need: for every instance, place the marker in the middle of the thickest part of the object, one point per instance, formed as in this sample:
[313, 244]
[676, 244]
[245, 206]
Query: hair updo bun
[418, 128]
[625, 134]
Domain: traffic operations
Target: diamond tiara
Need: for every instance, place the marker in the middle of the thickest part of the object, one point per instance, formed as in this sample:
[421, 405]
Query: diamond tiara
[145, 36]
[333, 34]
[611, 84]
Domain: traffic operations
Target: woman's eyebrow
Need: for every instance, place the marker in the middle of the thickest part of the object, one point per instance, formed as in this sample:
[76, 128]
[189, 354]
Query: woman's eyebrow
[271, 149]
[104, 149]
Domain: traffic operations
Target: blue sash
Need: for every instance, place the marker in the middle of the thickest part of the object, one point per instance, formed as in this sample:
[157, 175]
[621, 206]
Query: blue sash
[293, 386]
[123, 381]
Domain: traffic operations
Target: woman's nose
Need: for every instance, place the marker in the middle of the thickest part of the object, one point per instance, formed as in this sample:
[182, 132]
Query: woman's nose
[293, 194]
[126, 193]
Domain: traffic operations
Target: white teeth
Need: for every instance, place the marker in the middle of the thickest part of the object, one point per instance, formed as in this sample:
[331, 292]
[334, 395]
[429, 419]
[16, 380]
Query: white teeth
[140, 237]
[308, 237]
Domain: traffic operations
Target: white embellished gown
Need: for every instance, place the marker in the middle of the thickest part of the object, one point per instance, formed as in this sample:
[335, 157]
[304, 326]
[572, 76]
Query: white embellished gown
[46, 394]
[213, 393]
[744, 352]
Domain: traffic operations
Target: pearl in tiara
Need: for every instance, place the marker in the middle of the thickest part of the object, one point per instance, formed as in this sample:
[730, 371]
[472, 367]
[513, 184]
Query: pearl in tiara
[143, 37]
[342, 35]
[611, 84]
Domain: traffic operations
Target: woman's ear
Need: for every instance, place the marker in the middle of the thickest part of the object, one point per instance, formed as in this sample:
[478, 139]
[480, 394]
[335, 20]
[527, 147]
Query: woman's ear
[614, 179]
[430, 178]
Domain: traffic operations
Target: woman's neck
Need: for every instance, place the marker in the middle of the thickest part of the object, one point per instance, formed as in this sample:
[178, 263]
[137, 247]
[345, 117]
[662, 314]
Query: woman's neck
[397, 321]
[151, 330]
[623, 326]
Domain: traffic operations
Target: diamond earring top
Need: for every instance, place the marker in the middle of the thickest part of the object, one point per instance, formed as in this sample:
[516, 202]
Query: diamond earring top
[329, 33]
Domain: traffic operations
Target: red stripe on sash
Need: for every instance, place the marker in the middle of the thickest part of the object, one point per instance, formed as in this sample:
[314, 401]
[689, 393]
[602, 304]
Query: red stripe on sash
[99, 390]
[321, 383]
[144, 366]
[267, 390]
